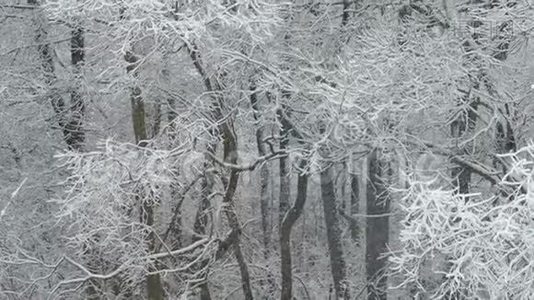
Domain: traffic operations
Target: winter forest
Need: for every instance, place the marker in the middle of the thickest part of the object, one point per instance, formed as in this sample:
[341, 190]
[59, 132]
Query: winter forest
[266, 149]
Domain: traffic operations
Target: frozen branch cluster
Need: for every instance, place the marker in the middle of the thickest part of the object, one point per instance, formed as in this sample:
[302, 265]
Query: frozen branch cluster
[187, 20]
[387, 75]
[108, 190]
[487, 242]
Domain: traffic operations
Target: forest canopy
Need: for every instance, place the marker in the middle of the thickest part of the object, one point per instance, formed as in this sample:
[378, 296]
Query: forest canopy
[266, 149]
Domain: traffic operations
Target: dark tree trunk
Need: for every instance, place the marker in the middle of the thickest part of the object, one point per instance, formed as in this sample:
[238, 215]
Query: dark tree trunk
[230, 156]
[154, 286]
[75, 136]
[354, 206]
[74, 125]
[201, 222]
[286, 227]
[461, 179]
[333, 230]
[265, 190]
[176, 222]
[377, 230]
[234, 224]
[264, 178]
[285, 191]
[205, 292]
[71, 128]
[265, 208]
[345, 16]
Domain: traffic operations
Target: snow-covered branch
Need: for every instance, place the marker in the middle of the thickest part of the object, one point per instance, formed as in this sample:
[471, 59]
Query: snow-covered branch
[484, 242]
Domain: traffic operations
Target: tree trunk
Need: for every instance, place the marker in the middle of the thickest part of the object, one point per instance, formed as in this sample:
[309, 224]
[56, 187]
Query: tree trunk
[265, 190]
[154, 286]
[333, 230]
[71, 128]
[286, 227]
[234, 224]
[202, 216]
[285, 191]
[72, 131]
[75, 136]
[265, 208]
[201, 221]
[153, 281]
[354, 206]
[377, 230]
[230, 156]
[345, 15]
[264, 178]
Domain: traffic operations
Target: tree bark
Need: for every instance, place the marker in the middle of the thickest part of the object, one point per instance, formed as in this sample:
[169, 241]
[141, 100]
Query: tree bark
[230, 156]
[75, 136]
[285, 191]
[265, 190]
[354, 206]
[154, 286]
[286, 227]
[264, 178]
[72, 131]
[345, 16]
[333, 230]
[377, 230]
[201, 221]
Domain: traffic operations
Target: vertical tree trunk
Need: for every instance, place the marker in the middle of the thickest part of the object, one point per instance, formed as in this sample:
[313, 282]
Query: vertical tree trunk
[236, 227]
[75, 136]
[354, 206]
[231, 156]
[265, 189]
[466, 121]
[265, 208]
[333, 230]
[284, 174]
[264, 178]
[176, 226]
[205, 292]
[201, 221]
[201, 218]
[153, 281]
[286, 227]
[154, 286]
[377, 230]
[341, 181]
[71, 128]
[345, 16]
[72, 131]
